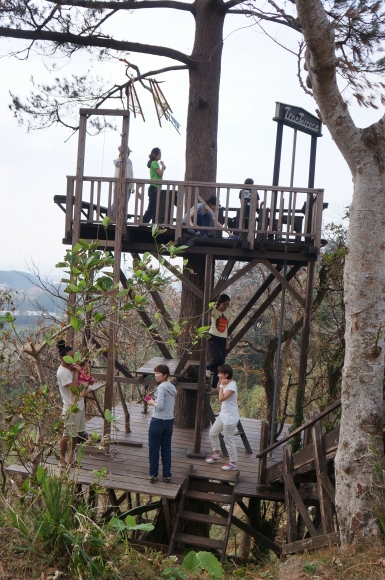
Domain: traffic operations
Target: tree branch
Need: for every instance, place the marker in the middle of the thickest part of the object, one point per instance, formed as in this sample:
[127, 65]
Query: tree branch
[321, 64]
[261, 16]
[96, 41]
[127, 5]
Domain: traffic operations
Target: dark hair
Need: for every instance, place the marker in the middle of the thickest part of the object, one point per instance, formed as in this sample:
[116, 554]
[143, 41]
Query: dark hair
[249, 181]
[212, 200]
[62, 348]
[154, 153]
[226, 370]
[162, 369]
[222, 298]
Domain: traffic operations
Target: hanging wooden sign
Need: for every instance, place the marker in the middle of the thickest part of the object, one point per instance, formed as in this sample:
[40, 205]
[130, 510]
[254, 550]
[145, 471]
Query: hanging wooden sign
[298, 118]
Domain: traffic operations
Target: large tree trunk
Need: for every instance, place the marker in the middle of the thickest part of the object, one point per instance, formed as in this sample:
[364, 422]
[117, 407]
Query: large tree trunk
[201, 156]
[362, 382]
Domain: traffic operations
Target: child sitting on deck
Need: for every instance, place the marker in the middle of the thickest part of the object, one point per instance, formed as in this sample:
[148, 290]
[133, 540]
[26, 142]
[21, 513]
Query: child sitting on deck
[227, 419]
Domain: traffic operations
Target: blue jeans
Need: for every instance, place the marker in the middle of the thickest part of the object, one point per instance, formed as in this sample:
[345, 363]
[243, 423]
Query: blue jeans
[159, 438]
[204, 219]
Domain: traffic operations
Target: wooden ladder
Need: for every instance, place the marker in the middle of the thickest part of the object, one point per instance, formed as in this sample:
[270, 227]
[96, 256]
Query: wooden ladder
[212, 488]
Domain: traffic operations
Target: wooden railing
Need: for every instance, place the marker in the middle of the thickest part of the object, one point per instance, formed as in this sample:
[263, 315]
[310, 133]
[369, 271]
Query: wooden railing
[284, 214]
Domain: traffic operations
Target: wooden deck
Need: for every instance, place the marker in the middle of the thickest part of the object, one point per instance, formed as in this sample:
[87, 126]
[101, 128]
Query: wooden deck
[128, 469]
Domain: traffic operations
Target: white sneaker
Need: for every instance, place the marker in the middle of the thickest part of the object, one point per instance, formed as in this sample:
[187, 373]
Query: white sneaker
[229, 466]
[214, 458]
[209, 374]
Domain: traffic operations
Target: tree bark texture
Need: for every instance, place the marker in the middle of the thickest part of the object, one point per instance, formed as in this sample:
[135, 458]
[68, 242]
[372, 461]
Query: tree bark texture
[362, 381]
[201, 158]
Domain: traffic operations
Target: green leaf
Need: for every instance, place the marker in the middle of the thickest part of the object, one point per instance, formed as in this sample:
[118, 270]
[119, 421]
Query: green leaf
[40, 474]
[99, 316]
[68, 359]
[107, 415]
[116, 524]
[106, 221]
[202, 329]
[84, 244]
[146, 255]
[76, 323]
[77, 247]
[61, 265]
[48, 339]
[191, 562]
[130, 521]
[209, 562]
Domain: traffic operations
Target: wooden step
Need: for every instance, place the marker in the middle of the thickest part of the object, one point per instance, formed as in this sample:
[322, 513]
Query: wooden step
[201, 495]
[209, 486]
[214, 475]
[198, 541]
[203, 518]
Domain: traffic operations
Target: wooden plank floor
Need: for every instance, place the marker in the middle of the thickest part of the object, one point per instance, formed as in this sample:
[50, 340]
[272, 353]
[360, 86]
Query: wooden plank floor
[128, 469]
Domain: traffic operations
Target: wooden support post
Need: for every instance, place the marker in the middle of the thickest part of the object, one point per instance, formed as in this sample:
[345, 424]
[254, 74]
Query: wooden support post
[263, 460]
[196, 451]
[290, 485]
[167, 517]
[326, 505]
[305, 338]
[77, 208]
[291, 520]
[121, 218]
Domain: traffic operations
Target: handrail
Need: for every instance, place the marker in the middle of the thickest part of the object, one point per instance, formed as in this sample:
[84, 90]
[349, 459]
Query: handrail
[204, 184]
[309, 423]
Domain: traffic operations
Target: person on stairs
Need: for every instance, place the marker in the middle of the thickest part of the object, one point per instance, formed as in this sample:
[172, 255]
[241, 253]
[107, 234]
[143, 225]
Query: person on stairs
[218, 342]
[161, 425]
[157, 169]
[227, 419]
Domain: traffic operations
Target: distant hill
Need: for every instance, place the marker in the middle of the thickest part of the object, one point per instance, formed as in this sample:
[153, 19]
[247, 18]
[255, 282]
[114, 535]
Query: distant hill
[16, 280]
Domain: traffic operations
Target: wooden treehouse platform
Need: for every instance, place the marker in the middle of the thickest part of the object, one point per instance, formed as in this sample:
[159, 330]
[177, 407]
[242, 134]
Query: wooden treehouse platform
[285, 477]
[286, 226]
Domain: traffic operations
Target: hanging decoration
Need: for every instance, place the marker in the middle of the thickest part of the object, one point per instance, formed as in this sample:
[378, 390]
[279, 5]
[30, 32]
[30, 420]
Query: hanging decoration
[162, 107]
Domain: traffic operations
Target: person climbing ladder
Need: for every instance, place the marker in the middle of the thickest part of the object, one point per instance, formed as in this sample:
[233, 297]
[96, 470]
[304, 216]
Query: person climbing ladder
[218, 342]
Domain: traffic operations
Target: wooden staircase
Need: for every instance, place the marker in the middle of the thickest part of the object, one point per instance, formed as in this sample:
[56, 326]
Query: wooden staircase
[214, 489]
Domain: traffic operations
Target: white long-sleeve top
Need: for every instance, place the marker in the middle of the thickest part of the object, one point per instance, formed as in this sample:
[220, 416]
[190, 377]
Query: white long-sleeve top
[129, 171]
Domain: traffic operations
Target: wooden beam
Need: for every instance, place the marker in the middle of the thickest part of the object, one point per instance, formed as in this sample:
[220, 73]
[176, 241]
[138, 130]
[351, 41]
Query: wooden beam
[291, 519]
[269, 280]
[147, 321]
[258, 537]
[284, 282]
[327, 484]
[263, 461]
[261, 310]
[289, 483]
[312, 543]
[167, 517]
[226, 283]
[158, 301]
[180, 276]
[326, 505]
[323, 413]
[227, 270]
[105, 112]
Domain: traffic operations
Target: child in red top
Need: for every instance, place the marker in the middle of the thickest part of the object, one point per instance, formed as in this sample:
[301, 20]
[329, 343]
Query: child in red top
[85, 375]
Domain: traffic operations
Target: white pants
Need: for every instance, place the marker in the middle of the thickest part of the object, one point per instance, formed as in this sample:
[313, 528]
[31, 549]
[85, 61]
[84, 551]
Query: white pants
[228, 433]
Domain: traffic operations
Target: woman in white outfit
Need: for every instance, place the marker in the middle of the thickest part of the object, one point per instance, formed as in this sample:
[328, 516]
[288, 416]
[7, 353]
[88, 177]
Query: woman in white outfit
[227, 419]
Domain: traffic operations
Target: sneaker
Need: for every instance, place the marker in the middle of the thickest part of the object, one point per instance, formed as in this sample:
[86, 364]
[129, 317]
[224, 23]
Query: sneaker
[209, 374]
[232, 237]
[198, 235]
[214, 458]
[191, 231]
[167, 479]
[152, 479]
[229, 466]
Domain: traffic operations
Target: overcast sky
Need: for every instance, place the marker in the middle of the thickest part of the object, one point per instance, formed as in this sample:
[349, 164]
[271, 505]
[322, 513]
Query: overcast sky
[256, 72]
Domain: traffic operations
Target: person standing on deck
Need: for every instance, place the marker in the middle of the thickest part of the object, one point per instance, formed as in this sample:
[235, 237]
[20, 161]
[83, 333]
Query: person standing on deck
[73, 413]
[157, 169]
[129, 175]
[227, 419]
[218, 342]
[162, 424]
